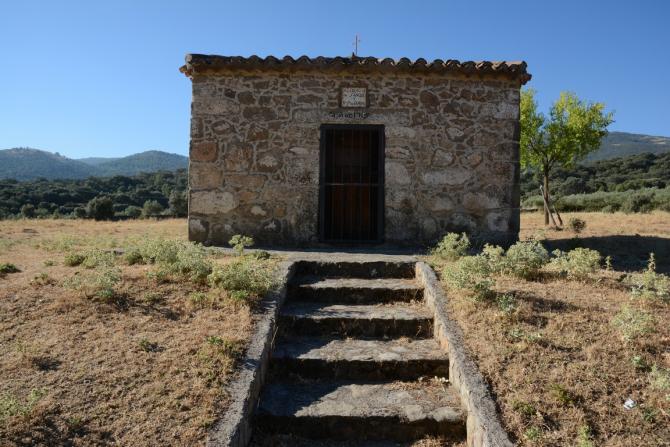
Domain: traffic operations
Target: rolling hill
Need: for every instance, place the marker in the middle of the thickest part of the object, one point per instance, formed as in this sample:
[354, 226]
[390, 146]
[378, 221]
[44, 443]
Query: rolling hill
[29, 164]
[623, 144]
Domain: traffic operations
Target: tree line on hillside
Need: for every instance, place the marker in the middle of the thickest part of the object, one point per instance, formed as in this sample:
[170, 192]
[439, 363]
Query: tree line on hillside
[144, 195]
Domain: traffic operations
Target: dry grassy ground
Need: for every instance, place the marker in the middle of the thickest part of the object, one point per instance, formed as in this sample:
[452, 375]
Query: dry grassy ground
[141, 369]
[559, 368]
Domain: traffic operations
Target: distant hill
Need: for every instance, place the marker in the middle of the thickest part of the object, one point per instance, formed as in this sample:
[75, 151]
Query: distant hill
[28, 164]
[623, 144]
[149, 161]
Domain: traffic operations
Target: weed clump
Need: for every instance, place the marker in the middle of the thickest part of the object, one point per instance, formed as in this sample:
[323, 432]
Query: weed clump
[453, 246]
[633, 323]
[245, 277]
[239, 242]
[8, 267]
[10, 406]
[576, 264]
[172, 258]
[651, 285]
[472, 274]
[525, 259]
[218, 356]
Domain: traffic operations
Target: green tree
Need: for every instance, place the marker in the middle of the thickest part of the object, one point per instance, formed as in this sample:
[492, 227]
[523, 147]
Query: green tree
[573, 129]
[178, 203]
[100, 208]
[28, 210]
[151, 208]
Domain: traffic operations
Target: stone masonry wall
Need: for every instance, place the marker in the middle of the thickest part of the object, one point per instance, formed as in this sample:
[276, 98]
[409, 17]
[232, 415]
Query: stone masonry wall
[451, 159]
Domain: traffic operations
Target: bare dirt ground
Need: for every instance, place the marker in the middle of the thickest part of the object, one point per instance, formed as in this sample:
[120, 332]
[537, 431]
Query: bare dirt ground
[141, 370]
[557, 364]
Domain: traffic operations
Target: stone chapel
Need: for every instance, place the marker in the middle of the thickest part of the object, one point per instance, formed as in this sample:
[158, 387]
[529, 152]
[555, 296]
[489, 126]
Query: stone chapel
[353, 150]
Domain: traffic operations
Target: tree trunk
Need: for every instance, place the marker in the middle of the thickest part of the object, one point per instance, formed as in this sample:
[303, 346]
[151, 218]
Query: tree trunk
[546, 195]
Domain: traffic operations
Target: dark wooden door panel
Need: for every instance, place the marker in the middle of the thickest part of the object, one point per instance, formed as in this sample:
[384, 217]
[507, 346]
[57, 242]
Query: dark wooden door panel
[352, 171]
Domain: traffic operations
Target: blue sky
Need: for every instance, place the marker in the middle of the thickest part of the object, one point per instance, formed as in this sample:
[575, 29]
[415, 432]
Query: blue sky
[100, 78]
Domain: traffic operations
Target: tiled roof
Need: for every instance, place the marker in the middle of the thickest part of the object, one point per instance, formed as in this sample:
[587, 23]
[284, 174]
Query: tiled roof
[202, 63]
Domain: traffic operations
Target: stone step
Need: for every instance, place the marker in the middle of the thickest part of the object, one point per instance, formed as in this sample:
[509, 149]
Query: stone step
[340, 320]
[284, 440]
[363, 269]
[398, 411]
[354, 290]
[358, 359]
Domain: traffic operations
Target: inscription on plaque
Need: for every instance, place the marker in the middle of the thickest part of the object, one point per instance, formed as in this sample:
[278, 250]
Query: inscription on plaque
[354, 97]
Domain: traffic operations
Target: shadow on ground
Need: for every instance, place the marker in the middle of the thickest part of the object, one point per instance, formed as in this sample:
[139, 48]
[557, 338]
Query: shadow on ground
[628, 252]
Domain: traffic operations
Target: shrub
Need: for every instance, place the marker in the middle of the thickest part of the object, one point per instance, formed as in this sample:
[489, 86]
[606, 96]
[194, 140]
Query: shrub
[151, 208]
[100, 208]
[495, 256]
[133, 211]
[79, 212]
[199, 300]
[99, 285]
[576, 225]
[239, 242]
[651, 285]
[576, 264]
[639, 202]
[244, 274]
[471, 273]
[173, 258]
[660, 378]
[633, 323]
[74, 259]
[525, 259]
[133, 256]
[8, 267]
[97, 258]
[452, 246]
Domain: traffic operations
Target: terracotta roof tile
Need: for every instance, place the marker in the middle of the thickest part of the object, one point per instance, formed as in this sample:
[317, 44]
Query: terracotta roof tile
[202, 63]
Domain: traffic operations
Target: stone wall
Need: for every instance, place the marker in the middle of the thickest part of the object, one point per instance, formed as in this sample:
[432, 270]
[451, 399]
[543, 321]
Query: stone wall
[451, 156]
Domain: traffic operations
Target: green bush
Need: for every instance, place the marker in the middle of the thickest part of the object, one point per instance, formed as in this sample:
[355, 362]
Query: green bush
[244, 274]
[633, 323]
[525, 259]
[576, 264]
[472, 274]
[651, 285]
[172, 258]
[452, 247]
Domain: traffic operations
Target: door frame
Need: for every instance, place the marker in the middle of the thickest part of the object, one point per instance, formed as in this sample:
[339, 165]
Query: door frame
[381, 149]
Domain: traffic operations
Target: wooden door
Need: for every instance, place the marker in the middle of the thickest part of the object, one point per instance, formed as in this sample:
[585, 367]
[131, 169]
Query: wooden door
[352, 183]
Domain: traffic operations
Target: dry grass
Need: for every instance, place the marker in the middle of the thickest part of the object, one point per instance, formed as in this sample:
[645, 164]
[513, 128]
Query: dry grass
[559, 368]
[628, 238]
[141, 369]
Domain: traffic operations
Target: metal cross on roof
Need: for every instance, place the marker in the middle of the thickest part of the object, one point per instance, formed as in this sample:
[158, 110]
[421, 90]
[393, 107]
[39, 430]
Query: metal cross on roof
[355, 44]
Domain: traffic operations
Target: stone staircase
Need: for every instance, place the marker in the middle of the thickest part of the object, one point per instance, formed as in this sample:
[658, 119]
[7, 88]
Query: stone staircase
[355, 362]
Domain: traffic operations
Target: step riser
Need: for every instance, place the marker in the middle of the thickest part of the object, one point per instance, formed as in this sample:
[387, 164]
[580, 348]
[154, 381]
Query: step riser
[358, 428]
[369, 270]
[353, 295]
[297, 369]
[347, 327]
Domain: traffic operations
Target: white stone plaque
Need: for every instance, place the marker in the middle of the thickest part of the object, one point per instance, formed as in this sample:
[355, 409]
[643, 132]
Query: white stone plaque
[354, 97]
